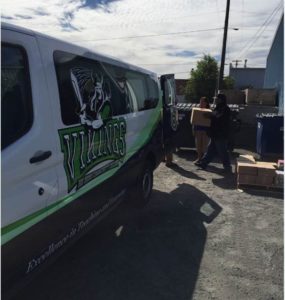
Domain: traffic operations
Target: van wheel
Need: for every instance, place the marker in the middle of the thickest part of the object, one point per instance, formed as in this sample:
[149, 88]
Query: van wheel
[144, 186]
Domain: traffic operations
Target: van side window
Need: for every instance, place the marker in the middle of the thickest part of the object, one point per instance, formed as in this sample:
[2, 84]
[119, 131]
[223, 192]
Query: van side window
[152, 89]
[85, 87]
[169, 93]
[145, 90]
[142, 89]
[16, 97]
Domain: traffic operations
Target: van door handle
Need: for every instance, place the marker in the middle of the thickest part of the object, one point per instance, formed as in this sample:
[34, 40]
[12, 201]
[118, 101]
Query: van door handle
[40, 157]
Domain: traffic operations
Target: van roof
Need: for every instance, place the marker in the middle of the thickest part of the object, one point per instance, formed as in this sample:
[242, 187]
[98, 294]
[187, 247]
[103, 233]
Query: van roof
[17, 28]
[9, 26]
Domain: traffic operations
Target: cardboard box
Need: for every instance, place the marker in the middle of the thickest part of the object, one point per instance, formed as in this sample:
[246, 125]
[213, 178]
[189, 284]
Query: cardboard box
[266, 97]
[267, 164]
[246, 179]
[234, 96]
[266, 168]
[259, 173]
[246, 159]
[265, 180]
[198, 118]
[246, 168]
[279, 178]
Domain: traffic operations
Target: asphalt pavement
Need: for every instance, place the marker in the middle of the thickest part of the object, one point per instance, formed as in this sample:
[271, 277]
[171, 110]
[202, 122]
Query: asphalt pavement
[199, 238]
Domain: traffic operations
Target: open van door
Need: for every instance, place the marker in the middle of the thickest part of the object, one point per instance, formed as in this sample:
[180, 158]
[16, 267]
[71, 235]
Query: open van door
[170, 112]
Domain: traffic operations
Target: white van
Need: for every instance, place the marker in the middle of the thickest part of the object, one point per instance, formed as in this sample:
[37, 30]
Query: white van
[78, 130]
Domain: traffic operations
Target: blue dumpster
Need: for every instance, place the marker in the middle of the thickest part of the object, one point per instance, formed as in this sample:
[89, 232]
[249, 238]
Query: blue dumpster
[269, 137]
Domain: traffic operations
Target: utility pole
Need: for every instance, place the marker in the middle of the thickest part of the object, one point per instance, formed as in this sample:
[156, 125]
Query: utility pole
[237, 61]
[221, 73]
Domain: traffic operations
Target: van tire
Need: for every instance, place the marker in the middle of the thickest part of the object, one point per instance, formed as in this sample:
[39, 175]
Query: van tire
[144, 186]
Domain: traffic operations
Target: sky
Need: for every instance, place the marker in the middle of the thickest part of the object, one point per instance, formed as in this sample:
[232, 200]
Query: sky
[160, 35]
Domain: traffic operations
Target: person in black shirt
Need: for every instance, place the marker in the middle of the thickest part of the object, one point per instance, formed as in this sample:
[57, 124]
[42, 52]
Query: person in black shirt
[219, 134]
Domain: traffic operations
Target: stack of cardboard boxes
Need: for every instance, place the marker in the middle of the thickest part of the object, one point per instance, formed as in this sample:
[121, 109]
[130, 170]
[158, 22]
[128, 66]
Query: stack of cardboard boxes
[250, 172]
[265, 97]
[234, 96]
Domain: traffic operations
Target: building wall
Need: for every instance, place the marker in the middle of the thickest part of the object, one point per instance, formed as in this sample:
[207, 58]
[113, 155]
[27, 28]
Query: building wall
[248, 77]
[274, 74]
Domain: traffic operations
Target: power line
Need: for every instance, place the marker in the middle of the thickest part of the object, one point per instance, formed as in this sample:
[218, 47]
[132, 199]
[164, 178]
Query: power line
[254, 28]
[177, 73]
[251, 67]
[166, 64]
[182, 72]
[260, 27]
[178, 17]
[257, 37]
[152, 35]
[260, 30]
[248, 12]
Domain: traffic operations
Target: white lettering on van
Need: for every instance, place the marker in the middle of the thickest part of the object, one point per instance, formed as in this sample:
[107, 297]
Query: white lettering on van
[115, 135]
[35, 262]
[69, 160]
[108, 134]
[100, 144]
[31, 266]
[91, 146]
[84, 148]
[122, 139]
[82, 166]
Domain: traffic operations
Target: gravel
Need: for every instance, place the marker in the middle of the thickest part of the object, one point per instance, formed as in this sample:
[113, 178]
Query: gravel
[198, 238]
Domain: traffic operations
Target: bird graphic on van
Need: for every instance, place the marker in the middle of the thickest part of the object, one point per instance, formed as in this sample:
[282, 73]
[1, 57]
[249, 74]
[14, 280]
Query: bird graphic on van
[93, 95]
[97, 144]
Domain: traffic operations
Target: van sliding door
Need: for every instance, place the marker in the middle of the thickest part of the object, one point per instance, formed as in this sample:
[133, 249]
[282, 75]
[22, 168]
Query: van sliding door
[28, 149]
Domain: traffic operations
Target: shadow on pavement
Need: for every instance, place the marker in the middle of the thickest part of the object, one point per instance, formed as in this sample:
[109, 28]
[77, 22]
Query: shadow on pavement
[228, 182]
[213, 169]
[254, 191]
[189, 153]
[185, 173]
[153, 254]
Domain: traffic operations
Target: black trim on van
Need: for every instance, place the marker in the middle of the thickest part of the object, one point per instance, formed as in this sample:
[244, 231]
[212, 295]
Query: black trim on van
[46, 240]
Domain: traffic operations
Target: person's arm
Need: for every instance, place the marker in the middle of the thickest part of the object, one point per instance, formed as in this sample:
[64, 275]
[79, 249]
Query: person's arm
[223, 114]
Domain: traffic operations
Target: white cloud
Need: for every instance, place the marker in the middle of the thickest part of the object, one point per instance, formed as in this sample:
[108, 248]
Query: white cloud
[83, 24]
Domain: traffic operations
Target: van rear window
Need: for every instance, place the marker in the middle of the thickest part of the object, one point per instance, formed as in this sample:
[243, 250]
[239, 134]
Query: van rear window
[85, 85]
[16, 97]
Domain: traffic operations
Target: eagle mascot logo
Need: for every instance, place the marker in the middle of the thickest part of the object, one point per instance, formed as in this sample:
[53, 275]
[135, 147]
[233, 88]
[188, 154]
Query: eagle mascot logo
[93, 97]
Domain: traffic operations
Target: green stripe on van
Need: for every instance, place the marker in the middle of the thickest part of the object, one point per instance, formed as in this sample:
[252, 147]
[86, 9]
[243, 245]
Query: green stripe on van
[14, 229]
